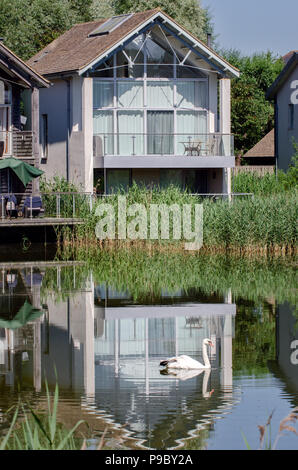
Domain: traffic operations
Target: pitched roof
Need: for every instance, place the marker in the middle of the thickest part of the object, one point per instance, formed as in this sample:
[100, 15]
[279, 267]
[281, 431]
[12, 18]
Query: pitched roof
[17, 67]
[74, 51]
[263, 148]
[282, 77]
[287, 56]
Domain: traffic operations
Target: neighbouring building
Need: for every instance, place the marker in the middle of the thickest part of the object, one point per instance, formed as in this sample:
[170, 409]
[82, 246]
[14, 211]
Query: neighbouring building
[136, 98]
[16, 77]
[261, 157]
[284, 92]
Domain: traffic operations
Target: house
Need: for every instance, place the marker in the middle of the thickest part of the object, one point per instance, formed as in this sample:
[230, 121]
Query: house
[16, 77]
[284, 92]
[261, 157]
[136, 97]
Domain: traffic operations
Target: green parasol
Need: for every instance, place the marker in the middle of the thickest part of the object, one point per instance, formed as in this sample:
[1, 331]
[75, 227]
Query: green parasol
[24, 171]
[25, 314]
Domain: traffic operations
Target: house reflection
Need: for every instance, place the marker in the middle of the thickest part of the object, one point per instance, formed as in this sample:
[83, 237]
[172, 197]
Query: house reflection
[106, 348]
[286, 365]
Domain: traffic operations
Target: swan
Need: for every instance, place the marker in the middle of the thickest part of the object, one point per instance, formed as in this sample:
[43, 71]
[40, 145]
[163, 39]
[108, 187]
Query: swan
[186, 362]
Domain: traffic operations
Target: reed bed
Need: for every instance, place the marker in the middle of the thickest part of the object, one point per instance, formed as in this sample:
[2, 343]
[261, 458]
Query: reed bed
[146, 273]
[246, 225]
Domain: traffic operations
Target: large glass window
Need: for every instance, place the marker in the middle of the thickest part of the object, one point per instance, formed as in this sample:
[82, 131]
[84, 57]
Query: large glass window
[160, 128]
[191, 94]
[159, 94]
[130, 133]
[159, 61]
[103, 93]
[191, 131]
[130, 94]
[105, 70]
[130, 63]
[103, 128]
[117, 180]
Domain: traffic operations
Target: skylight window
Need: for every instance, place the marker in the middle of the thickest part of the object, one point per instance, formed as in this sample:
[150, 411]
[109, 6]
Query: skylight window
[109, 25]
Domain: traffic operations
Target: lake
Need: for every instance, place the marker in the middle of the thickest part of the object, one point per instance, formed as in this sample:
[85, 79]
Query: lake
[101, 324]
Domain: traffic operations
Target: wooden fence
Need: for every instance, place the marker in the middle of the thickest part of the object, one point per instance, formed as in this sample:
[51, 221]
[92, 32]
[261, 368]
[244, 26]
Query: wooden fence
[259, 170]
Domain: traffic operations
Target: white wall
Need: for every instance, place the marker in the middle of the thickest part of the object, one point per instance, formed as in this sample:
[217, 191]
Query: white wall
[285, 147]
[54, 103]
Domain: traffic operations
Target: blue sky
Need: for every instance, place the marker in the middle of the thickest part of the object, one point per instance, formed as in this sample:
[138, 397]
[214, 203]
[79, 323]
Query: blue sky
[255, 25]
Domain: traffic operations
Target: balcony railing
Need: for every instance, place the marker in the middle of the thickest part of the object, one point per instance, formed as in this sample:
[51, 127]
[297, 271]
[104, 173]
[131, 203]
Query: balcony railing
[16, 143]
[188, 144]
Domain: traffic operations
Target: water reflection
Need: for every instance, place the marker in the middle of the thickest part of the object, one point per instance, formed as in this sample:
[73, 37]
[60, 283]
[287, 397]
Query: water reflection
[106, 347]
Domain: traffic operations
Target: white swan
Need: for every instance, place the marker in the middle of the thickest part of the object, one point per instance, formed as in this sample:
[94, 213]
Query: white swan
[186, 362]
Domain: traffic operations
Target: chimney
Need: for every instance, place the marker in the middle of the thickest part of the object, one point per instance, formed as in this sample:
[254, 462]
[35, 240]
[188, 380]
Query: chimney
[209, 36]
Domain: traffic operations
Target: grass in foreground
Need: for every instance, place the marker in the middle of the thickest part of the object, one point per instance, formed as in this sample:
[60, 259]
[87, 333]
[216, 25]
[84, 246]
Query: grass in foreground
[40, 432]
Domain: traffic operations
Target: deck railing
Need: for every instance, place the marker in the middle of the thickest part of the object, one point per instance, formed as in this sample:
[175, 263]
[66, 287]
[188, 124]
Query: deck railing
[50, 205]
[72, 205]
[16, 143]
[163, 144]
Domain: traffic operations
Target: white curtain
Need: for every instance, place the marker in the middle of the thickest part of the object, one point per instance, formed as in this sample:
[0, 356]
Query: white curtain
[191, 127]
[130, 129]
[185, 94]
[160, 94]
[191, 94]
[103, 127]
[103, 92]
[130, 94]
[160, 127]
[202, 95]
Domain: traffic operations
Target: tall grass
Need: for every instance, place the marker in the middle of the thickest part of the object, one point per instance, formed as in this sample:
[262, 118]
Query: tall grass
[259, 223]
[40, 431]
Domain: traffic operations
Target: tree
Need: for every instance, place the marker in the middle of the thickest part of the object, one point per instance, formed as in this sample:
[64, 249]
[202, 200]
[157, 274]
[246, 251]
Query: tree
[188, 13]
[29, 25]
[252, 115]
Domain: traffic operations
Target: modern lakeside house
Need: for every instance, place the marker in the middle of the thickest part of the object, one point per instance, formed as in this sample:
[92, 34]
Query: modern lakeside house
[137, 98]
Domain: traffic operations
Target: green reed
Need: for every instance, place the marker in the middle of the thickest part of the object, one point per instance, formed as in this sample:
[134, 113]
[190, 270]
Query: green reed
[30, 430]
[146, 273]
[246, 223]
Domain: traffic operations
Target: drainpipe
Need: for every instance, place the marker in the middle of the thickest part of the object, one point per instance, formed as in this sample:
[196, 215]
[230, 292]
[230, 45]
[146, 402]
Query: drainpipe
[67, 80]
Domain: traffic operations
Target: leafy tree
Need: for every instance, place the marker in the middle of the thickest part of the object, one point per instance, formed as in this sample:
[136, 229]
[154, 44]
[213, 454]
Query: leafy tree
[251, 114]
[188, 13]
[29, 25]
[102, 9]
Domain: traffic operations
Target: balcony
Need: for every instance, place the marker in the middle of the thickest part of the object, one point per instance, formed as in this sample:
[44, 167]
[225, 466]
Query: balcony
[163, 150]
[17, 144]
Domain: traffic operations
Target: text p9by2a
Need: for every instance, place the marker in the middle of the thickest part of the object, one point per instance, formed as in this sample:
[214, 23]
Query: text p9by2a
[169, 459]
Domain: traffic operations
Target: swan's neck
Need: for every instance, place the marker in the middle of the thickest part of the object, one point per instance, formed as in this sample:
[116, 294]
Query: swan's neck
[205, 356]
[205, 383]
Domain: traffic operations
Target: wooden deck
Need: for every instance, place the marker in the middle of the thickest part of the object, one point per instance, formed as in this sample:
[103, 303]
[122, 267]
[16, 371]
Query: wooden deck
[39, 222]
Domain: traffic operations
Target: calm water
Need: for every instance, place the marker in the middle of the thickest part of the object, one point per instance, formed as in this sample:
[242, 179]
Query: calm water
[106, 343]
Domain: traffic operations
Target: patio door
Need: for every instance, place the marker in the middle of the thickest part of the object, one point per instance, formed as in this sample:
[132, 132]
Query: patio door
[160, 128]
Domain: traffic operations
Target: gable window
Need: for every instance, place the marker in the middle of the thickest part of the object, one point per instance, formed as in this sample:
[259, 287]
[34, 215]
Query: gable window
[152, 104]
[160, 63]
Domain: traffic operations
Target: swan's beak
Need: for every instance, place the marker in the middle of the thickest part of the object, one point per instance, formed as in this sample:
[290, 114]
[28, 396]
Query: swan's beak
[212, 391]
[211, 344]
